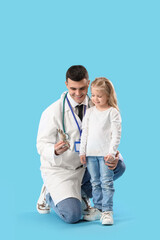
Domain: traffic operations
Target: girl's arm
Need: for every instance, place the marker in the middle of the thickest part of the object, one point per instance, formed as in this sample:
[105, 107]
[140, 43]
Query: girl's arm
[115, 119]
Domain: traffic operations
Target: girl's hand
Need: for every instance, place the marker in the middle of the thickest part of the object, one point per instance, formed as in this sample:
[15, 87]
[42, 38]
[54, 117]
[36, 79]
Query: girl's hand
[112, 164]
[108, 158]
[83, 159]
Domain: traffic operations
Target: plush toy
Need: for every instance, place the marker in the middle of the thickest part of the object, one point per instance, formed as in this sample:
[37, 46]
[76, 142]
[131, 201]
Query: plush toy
[64, 138]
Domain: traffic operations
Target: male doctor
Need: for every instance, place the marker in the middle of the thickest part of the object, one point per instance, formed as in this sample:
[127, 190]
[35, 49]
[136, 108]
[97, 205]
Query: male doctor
[67, 185]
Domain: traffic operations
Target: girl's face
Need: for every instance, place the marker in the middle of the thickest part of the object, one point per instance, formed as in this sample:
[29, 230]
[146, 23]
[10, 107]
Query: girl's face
[99, 98]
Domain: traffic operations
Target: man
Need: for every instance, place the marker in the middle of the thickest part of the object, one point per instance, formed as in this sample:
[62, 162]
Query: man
[63, 175]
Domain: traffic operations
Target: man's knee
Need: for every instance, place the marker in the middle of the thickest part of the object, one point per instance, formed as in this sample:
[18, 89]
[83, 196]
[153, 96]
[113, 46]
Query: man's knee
[119, 170]
[73, 216]
[70, 210]
[123, 167]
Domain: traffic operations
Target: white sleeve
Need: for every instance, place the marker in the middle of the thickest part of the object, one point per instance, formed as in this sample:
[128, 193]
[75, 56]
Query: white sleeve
[84, 135]
[46, 137]
[115, 119]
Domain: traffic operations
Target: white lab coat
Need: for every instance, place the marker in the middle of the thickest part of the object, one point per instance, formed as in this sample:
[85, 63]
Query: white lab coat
[62, 175]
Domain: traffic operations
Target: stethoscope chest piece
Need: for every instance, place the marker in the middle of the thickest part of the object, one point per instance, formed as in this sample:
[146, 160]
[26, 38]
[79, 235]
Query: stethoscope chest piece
[67, 136]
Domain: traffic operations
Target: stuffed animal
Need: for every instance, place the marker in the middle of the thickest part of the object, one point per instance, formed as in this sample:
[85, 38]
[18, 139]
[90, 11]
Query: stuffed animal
[63, 137]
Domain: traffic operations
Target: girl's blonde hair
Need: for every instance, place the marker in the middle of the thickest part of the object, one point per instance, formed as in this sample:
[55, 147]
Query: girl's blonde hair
[105, 84]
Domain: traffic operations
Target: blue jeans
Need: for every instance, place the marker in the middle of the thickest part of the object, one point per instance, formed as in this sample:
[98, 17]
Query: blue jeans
[102, 183]
[69, 210]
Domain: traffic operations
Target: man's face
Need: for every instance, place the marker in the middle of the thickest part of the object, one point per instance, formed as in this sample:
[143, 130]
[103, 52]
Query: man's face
[78, 90]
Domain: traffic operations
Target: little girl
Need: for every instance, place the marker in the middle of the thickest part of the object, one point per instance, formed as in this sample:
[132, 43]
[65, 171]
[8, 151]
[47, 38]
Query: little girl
[101, 133]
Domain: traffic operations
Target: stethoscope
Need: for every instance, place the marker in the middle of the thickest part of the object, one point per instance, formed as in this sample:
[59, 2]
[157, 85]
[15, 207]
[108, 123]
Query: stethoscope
[64, 130]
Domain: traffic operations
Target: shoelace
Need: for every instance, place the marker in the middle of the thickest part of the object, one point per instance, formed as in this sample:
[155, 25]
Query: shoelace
[93, 210]
[44, 204]
[105, 215]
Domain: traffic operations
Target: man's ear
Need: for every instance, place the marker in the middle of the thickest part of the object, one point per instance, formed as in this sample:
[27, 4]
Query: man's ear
[66, 84]
[88, 82]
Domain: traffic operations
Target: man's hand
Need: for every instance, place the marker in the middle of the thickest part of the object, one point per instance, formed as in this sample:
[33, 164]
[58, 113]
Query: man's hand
[83, 159]
[60, 147]
[112, 162]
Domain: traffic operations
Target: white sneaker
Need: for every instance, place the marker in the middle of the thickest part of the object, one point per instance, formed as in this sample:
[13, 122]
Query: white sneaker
[107, 218]
[42, 206]
[94, 214]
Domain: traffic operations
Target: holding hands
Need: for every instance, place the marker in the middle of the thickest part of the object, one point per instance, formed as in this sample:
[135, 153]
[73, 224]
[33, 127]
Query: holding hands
[108, 158]
[111, 162]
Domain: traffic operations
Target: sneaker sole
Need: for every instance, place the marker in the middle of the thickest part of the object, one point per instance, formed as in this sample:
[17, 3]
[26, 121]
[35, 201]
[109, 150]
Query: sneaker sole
[107, 224]
[89, 219]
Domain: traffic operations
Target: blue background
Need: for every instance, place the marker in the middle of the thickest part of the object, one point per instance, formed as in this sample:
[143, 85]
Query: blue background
[39, 41]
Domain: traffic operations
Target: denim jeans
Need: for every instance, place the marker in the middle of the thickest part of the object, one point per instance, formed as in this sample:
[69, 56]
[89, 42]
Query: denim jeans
[69, 210]
[102, 183]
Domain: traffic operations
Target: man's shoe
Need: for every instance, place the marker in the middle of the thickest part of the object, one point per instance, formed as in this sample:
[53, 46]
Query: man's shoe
[107, 218]
[86, 205]
[94, 214]
[42, 206]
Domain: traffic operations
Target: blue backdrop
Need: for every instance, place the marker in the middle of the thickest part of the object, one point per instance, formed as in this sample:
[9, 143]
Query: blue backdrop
[40, 40]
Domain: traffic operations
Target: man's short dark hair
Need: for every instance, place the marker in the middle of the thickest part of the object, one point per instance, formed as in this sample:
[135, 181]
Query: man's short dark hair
[77, 73]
